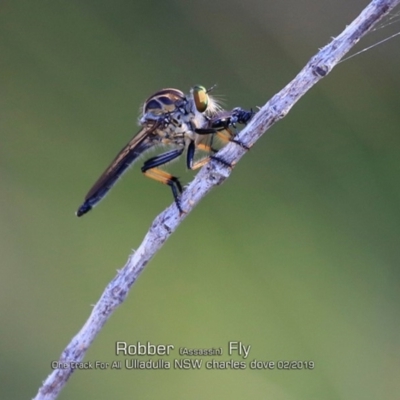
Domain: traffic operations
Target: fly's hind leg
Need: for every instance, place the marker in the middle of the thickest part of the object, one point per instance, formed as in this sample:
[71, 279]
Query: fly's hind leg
[150, 170]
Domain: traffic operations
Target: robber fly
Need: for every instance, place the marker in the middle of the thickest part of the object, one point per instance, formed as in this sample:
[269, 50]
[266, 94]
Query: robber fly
[184, 122]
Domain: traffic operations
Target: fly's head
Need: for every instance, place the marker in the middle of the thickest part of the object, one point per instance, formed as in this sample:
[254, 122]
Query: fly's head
[202, 102]
[200, 107]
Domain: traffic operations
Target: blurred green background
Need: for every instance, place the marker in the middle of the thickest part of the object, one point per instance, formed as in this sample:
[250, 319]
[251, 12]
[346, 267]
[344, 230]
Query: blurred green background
[296, 255]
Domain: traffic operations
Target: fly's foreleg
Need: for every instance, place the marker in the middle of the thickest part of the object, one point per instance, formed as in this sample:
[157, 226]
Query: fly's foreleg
[222, 123]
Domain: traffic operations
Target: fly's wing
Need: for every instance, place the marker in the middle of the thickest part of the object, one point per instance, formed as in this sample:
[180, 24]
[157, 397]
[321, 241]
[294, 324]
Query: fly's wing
[125, 158]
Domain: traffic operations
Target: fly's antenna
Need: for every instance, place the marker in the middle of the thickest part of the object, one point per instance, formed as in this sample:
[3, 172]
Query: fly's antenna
[211, 88]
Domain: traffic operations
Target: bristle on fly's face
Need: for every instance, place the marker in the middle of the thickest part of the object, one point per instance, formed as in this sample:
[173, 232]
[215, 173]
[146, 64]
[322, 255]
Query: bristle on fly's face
[214, 106]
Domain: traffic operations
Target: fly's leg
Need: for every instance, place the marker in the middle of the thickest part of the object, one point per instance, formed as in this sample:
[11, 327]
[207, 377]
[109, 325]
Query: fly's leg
[221, 124]
[150, 170]
[191, 149]
[191, 152]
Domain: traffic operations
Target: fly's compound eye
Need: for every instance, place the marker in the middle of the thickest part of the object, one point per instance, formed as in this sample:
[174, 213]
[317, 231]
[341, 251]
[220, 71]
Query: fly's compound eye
[200, 97]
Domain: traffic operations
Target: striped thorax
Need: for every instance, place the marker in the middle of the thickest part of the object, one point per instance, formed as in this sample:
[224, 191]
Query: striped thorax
[181, 115]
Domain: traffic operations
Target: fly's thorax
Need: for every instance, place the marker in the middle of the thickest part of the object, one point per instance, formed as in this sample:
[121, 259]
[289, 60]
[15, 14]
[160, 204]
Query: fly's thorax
[177, 114]
[173, 131]
[162, 103]
[181, 126]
